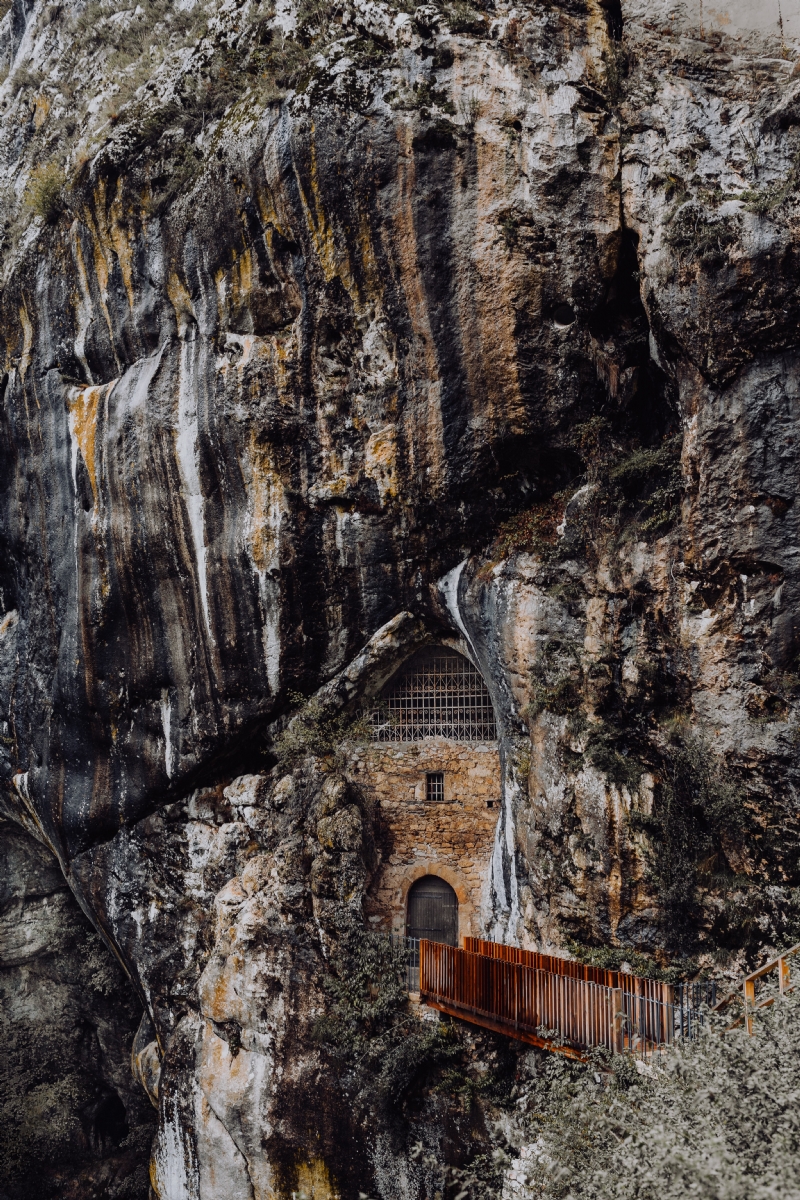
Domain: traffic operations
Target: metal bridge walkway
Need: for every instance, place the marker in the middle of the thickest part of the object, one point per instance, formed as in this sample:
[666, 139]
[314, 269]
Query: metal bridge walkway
[557, 1004]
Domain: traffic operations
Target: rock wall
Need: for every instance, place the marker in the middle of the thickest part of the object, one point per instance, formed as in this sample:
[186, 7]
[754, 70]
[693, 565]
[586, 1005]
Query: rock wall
[485, 328]
[74, 1122]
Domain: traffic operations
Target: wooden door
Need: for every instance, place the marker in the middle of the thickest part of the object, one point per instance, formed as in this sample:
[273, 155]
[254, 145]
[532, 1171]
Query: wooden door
[433, 911]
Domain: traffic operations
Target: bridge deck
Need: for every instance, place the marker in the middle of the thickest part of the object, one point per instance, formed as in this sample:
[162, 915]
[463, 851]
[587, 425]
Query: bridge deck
[546, 1001]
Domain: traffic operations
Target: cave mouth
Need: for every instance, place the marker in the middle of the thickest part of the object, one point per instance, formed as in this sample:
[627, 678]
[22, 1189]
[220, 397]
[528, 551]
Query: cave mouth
[109, 1123]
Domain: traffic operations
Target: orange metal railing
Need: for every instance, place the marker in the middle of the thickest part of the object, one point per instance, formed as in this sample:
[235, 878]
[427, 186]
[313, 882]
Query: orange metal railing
[750, 1000]
[570, 1007]
[545, 1000]
[650, 989]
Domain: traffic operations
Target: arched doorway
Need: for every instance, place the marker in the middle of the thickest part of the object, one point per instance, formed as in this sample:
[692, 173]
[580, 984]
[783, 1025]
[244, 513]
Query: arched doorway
[432, 911]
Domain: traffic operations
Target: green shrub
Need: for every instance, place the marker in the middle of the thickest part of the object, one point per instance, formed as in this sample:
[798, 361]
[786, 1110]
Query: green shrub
[696, 807]
[715, 1119]
[719, 1119]
[611, 958]
[604, 750]
[768, 200]
[699, 236]
[27, 77]
[313, 731]
[556, 680]
[45, 193]
[651, 479]
[531, 532]
[470, 109]
[482, 1179]
[463, 18]
[371, 1028]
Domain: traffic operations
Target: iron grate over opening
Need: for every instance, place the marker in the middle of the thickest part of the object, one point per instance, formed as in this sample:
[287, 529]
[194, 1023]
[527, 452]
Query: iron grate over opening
[438, 693]
[434, 786]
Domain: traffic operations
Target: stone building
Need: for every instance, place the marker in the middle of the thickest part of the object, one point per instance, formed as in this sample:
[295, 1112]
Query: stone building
[433, 771]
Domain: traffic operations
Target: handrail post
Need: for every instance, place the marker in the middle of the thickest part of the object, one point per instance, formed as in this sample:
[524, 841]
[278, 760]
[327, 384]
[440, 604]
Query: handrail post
[515, 976]
[750, 1005]
[784, 975]
[617, 1021]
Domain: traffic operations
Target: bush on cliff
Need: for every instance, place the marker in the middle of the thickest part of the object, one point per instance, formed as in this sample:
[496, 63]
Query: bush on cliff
[720, 1119]
[44, 194]
[371, 1029]
[315, 730]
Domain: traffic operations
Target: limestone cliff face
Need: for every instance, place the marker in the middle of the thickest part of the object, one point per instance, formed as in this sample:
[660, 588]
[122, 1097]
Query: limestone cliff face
[485, 331]
[74, 1121]
[279, 412]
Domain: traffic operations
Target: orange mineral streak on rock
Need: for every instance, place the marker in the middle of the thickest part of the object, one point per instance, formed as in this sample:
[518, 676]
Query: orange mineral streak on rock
[380, 462]
[368, 261]
[84, 304]
[95, 218]
[181, 302]
[121, 242]
[242, 279]
[334, 259]
[314, 1181]
[489, 337]
[614, 899]
[41, 107]
[83, 404]
[27, 341]
[268, 505]
[102, 253]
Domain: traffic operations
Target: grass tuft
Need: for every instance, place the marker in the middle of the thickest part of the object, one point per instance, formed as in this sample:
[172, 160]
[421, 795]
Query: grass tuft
[45, 194]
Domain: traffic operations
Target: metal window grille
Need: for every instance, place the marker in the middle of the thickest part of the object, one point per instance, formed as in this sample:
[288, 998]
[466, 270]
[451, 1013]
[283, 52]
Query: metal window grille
[438, 693]
[434, 785]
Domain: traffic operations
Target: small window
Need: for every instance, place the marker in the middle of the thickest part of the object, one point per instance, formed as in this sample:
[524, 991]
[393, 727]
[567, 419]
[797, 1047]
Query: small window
[434, 785]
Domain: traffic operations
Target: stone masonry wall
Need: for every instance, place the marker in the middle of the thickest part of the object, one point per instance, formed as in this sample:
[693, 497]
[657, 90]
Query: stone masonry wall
[452, 838]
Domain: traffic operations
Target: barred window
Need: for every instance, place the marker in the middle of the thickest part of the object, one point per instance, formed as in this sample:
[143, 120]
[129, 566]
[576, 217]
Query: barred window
[434, 786]
[437, 693]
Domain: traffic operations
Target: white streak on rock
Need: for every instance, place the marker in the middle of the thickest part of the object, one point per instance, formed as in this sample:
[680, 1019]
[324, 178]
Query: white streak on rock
[448, 586]
[73, 416]
[267, 507]
[270, 603]
[173, 1160]
[186, 443]
[85, 308]
[511, 793]
[166, 723]
[498, 880]
[21, 784]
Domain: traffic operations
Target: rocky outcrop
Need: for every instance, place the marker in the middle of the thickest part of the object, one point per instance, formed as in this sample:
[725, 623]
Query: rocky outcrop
[346, 333]
[237, 908]
[74, 1122]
